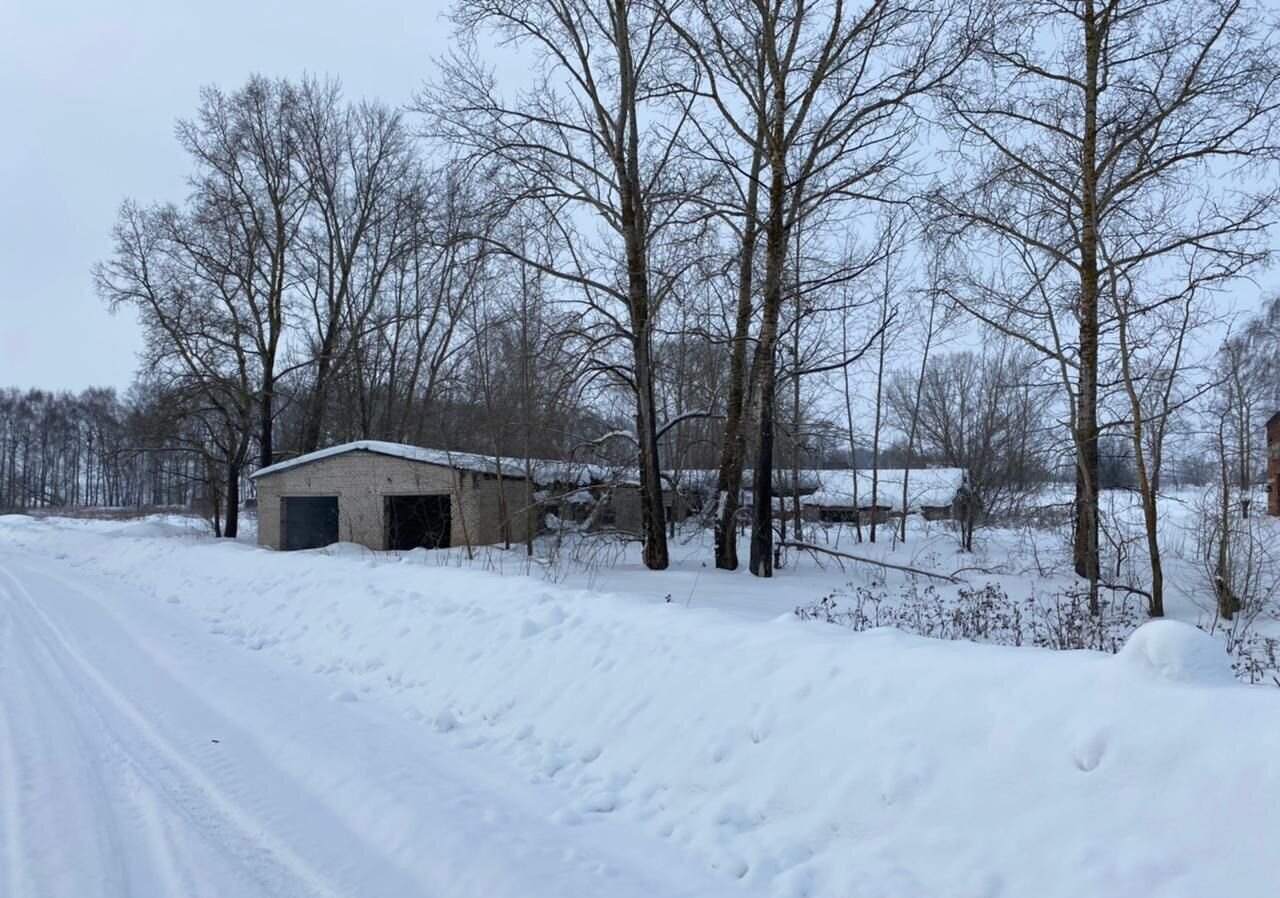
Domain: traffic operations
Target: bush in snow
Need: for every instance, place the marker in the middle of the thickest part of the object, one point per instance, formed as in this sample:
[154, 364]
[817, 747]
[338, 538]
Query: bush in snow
[1256, 658]
[979, 614]
[1060, 620]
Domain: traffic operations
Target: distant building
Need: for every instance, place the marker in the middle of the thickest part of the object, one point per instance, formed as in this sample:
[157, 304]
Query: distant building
[845, 495]
[838, 494]
[1273, 465]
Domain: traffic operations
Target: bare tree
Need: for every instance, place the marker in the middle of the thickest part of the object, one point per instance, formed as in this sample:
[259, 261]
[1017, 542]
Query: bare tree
[822, 96]
[937, 319]
[983, 412]
[1154, 354]
[362, 176]
[92, 449]
[594, 138]
[247, 180]
[1099, 158]
[199, 327]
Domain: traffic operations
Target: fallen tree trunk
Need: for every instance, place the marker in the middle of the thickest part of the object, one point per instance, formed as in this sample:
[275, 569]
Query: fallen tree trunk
[810, 547]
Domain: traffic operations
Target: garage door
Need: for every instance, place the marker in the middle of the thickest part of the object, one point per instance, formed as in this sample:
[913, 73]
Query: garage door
[415, 522]
[309, 521]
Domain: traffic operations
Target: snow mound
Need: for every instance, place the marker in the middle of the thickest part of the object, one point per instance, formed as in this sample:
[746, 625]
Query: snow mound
[151, 528]
[1179, 652]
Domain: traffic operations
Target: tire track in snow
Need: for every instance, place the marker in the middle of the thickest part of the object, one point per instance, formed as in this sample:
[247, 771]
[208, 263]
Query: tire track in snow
[375, 803]
[80, 786]
[173, 875]
[188, 794]
[14, 855]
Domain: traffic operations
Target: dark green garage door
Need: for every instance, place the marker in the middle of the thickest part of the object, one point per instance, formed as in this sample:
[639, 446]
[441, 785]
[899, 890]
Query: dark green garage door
[415, 522]
[309, 522]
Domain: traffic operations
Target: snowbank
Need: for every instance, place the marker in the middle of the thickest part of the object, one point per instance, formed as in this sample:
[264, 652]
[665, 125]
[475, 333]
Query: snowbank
[1179, 652]
[804, 759]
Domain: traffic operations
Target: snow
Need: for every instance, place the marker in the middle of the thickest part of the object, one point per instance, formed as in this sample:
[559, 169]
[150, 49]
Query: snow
[146, 752]
[544, 471]
[768, 756]
[1179, 652]
[925, 487]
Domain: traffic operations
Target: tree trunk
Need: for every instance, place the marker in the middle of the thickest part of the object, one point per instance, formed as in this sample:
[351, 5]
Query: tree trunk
[314, 420]
[761, 560]
[1146, 488]
[875, 433]
[733, 449]
[1228, 602]
[232, 526]
[635, 233]
[914, 427]
[1156, 605]
[652, 512]
[795, 398]
[1086, 437]
[266, 407]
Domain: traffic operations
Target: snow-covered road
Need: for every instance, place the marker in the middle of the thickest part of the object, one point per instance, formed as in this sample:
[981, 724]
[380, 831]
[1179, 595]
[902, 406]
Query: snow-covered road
[184, 716]
[142, 758]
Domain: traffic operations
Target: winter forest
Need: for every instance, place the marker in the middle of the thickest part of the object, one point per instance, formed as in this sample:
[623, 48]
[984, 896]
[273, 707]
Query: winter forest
[640, 449]
[1022, 239]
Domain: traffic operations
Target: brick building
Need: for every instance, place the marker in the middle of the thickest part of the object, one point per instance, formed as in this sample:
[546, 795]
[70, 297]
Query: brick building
[1273, 465]
[391, 496]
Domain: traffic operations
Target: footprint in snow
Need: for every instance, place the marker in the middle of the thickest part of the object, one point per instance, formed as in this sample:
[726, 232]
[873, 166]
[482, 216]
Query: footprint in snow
[732, 865]
[345, 695]
[566, 817]
[600, 803]
[1089, 752]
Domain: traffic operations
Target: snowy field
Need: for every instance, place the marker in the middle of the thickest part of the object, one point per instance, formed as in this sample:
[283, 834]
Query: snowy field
[181, 716]
[1026, 567]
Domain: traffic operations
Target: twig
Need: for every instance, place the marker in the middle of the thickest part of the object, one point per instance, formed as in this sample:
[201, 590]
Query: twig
[810, 547]
[689, 600]
[1129, 589]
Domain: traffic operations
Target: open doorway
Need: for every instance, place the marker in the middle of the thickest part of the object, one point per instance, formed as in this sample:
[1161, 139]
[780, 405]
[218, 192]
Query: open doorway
[415, 522]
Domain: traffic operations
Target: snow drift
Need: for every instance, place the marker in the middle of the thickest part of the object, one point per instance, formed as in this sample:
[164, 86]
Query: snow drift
[804, 759]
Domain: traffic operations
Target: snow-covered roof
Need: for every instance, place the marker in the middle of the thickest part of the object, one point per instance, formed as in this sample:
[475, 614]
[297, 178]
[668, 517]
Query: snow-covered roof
[544, 471]
[833, 488]
[567, 473]
[925, 487]
[825, 488]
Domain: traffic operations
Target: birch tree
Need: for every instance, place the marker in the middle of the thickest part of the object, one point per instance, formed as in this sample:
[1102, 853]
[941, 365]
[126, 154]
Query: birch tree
[822, 95]
[1102, 144]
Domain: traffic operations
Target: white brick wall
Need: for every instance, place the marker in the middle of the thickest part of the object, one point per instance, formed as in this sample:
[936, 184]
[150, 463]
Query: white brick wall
[361, 479]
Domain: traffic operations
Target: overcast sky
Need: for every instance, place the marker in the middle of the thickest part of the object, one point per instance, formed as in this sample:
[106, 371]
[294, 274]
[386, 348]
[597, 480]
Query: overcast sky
[89, 91]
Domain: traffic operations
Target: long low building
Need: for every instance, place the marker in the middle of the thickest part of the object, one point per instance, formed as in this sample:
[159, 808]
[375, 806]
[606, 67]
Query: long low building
[844, 494]
[847, 495]
[392, 496]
